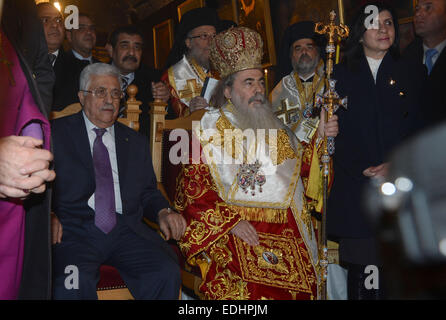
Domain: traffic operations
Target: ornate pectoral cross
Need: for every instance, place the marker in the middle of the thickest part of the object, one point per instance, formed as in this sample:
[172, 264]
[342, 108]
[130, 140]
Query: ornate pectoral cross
[249, 176]
[287, 113]
[192, 89]
[7, 63]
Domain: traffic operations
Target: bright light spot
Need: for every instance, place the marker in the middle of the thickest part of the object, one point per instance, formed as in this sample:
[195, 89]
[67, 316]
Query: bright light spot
[442, 246]
[388, 188]
[58, 6]
[404, 184]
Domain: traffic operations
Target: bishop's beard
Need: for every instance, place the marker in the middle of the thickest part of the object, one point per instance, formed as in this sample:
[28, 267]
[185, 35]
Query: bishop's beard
[257, 116]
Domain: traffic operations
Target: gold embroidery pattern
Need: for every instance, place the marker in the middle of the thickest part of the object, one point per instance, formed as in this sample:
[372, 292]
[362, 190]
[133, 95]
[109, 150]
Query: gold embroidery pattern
[222, 124]
[281, 149]
[306, 217]
[229, 195]
[298, 221]
[216, 219]
[199, 71]
[262, 214]
[184, 247]
[307, 154]
[291, 270]
[220, 252]
[199, 182]
[211, 223]
[307, 93]
[232, 146]
[227, 286]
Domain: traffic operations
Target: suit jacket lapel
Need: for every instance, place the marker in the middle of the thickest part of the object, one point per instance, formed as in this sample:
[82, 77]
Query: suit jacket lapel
[78, 132]
[439, 65]
[122, 149]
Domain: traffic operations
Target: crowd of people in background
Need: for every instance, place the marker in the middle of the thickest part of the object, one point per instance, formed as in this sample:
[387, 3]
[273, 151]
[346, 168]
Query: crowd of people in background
[74, 191]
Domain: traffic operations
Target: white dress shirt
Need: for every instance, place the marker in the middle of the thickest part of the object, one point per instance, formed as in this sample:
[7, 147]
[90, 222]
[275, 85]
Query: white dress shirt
[79, 57]
[109, 141]
[56, 53]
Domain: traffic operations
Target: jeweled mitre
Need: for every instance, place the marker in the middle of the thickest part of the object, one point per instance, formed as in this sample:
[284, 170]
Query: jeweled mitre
[235, 50]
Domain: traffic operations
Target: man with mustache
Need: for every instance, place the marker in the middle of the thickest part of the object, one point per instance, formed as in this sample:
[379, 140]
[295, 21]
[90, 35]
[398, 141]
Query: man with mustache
[105, 186]
[125, 47]
[187, 65]
[247, 203]
[301, 71]
[429, 49]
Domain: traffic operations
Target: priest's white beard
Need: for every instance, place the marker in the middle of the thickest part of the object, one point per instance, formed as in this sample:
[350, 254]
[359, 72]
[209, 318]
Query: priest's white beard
[257, 116]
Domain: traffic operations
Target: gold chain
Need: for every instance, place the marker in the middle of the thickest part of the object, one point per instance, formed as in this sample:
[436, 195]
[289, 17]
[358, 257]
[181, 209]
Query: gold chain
[198, 70]
[316, 85]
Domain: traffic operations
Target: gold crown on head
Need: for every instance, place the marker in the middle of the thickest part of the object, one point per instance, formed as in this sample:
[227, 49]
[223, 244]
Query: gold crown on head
[236, 49]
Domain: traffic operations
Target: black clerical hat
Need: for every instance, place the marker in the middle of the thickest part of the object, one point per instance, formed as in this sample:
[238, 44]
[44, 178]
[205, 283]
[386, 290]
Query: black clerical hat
[190, 20]
[297, 31]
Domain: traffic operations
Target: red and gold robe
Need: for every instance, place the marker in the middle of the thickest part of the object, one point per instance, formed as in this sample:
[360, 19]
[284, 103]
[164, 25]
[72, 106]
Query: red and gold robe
[285, 263]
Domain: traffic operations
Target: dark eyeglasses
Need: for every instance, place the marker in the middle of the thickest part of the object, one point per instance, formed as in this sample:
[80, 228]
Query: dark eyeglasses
[204, 36]
[102, 93]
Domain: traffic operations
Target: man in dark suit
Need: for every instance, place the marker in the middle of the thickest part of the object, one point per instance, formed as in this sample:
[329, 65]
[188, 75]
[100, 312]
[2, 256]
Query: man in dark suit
[105, 185]
[26, 91]
[53, 27]
[125, 48]
[429, 49]
[83, 39]
[80, 55]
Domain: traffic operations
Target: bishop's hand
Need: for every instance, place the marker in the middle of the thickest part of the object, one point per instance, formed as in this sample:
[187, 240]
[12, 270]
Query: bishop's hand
[246, 231]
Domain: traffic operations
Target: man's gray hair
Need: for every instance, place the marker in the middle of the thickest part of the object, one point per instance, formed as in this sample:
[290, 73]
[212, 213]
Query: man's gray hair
[97, 69]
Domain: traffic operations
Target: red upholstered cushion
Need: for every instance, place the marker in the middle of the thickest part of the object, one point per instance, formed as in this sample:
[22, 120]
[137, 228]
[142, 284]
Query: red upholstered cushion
[109, 278]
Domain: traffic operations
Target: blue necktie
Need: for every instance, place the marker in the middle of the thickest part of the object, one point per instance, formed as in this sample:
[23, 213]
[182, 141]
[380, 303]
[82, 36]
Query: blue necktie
[125, 83]
[430, 53]
[104, 196]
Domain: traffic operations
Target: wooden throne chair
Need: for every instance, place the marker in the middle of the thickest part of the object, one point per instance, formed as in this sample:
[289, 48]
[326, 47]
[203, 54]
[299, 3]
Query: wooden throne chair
[167, 173]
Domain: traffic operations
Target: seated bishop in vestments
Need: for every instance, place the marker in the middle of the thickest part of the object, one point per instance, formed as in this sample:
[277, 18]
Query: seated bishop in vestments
[247, 202]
